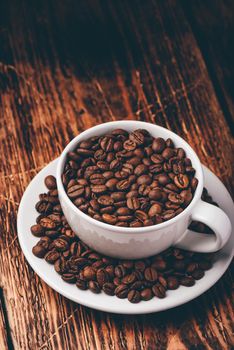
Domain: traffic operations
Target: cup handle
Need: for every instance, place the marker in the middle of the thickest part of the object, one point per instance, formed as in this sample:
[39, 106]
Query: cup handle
[213, 217]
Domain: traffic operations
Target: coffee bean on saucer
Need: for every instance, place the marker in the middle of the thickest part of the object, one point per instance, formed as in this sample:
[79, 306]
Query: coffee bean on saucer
[50, 182]
[146, 294]
[135, 280]
[159, 291]
[37, 230]
[122, 291]
[94, 287]
[150, 274]
[172, 282]
[134, 296]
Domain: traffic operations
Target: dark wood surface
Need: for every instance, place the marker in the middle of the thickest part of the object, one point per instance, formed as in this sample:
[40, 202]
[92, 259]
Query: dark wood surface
[68, 65]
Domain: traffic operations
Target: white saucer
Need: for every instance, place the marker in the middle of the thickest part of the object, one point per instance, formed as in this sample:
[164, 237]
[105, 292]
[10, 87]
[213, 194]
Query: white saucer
[27, 216]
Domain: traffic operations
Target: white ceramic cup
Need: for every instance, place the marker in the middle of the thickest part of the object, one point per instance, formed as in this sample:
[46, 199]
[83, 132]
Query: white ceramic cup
[135, 243]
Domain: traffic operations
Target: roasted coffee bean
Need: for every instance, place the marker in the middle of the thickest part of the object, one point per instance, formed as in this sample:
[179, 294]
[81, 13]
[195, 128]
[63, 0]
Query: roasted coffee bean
[106, 144]
[186, 195]
[172, 282]
[81, 284]
[43, 206]
[168, 214]
[144, 180]
[140, 170]
[94, 287]
[187, 281]
[159, 264]
[120, 271]
[123, 185]
[157, 158]
[205, 265]
[102, 277]
[175, 198]
[159, 290]
[37, 230]
[103, 165]
[110, 270]
[61, 244]
[39, 251]
[48, 224]
[50, 182]
[137, 136]
[105, 200]
[97, 179]
[141, 215]
[134, 161]
[134, 296]
[129, 145]
[109, 288]
[111, 184]
[181, 181]
[136, 223]
[107, 210]
[69, 278]
[155, 209]
[75, 191]
[121, 291]
[129, 279]
[192, 267]
[163, 281]
[89, 273]
[146, 294]
[197, 274]
[155, 194]
[150, 274]
[97, 189]
[118, 146]
[194, 183]
[158, 145]
[109, 219]
[168, 153]
[117, 281]
[133, 203]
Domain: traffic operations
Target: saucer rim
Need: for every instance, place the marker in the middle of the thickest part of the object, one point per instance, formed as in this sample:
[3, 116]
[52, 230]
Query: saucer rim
[102, 301]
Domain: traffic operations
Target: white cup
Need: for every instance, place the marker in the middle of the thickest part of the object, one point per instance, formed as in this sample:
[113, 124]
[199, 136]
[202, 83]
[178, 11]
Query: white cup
[141, 242]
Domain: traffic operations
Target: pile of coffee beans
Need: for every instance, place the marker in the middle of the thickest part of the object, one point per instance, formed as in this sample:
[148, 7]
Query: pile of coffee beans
[133, 279]
[129, 179]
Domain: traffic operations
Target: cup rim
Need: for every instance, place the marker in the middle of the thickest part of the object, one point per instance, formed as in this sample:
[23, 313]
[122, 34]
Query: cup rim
[137, 124]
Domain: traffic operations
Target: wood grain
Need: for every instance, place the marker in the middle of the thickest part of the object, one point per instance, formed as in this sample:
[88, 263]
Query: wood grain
[3, 331]
[66, 66]
[213, 24]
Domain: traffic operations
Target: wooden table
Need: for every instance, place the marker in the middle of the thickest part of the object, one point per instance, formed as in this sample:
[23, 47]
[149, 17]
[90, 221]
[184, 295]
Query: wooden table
[68, 65]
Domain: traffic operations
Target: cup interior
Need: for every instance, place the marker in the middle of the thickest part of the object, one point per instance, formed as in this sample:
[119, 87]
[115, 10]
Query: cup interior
[130, 125]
